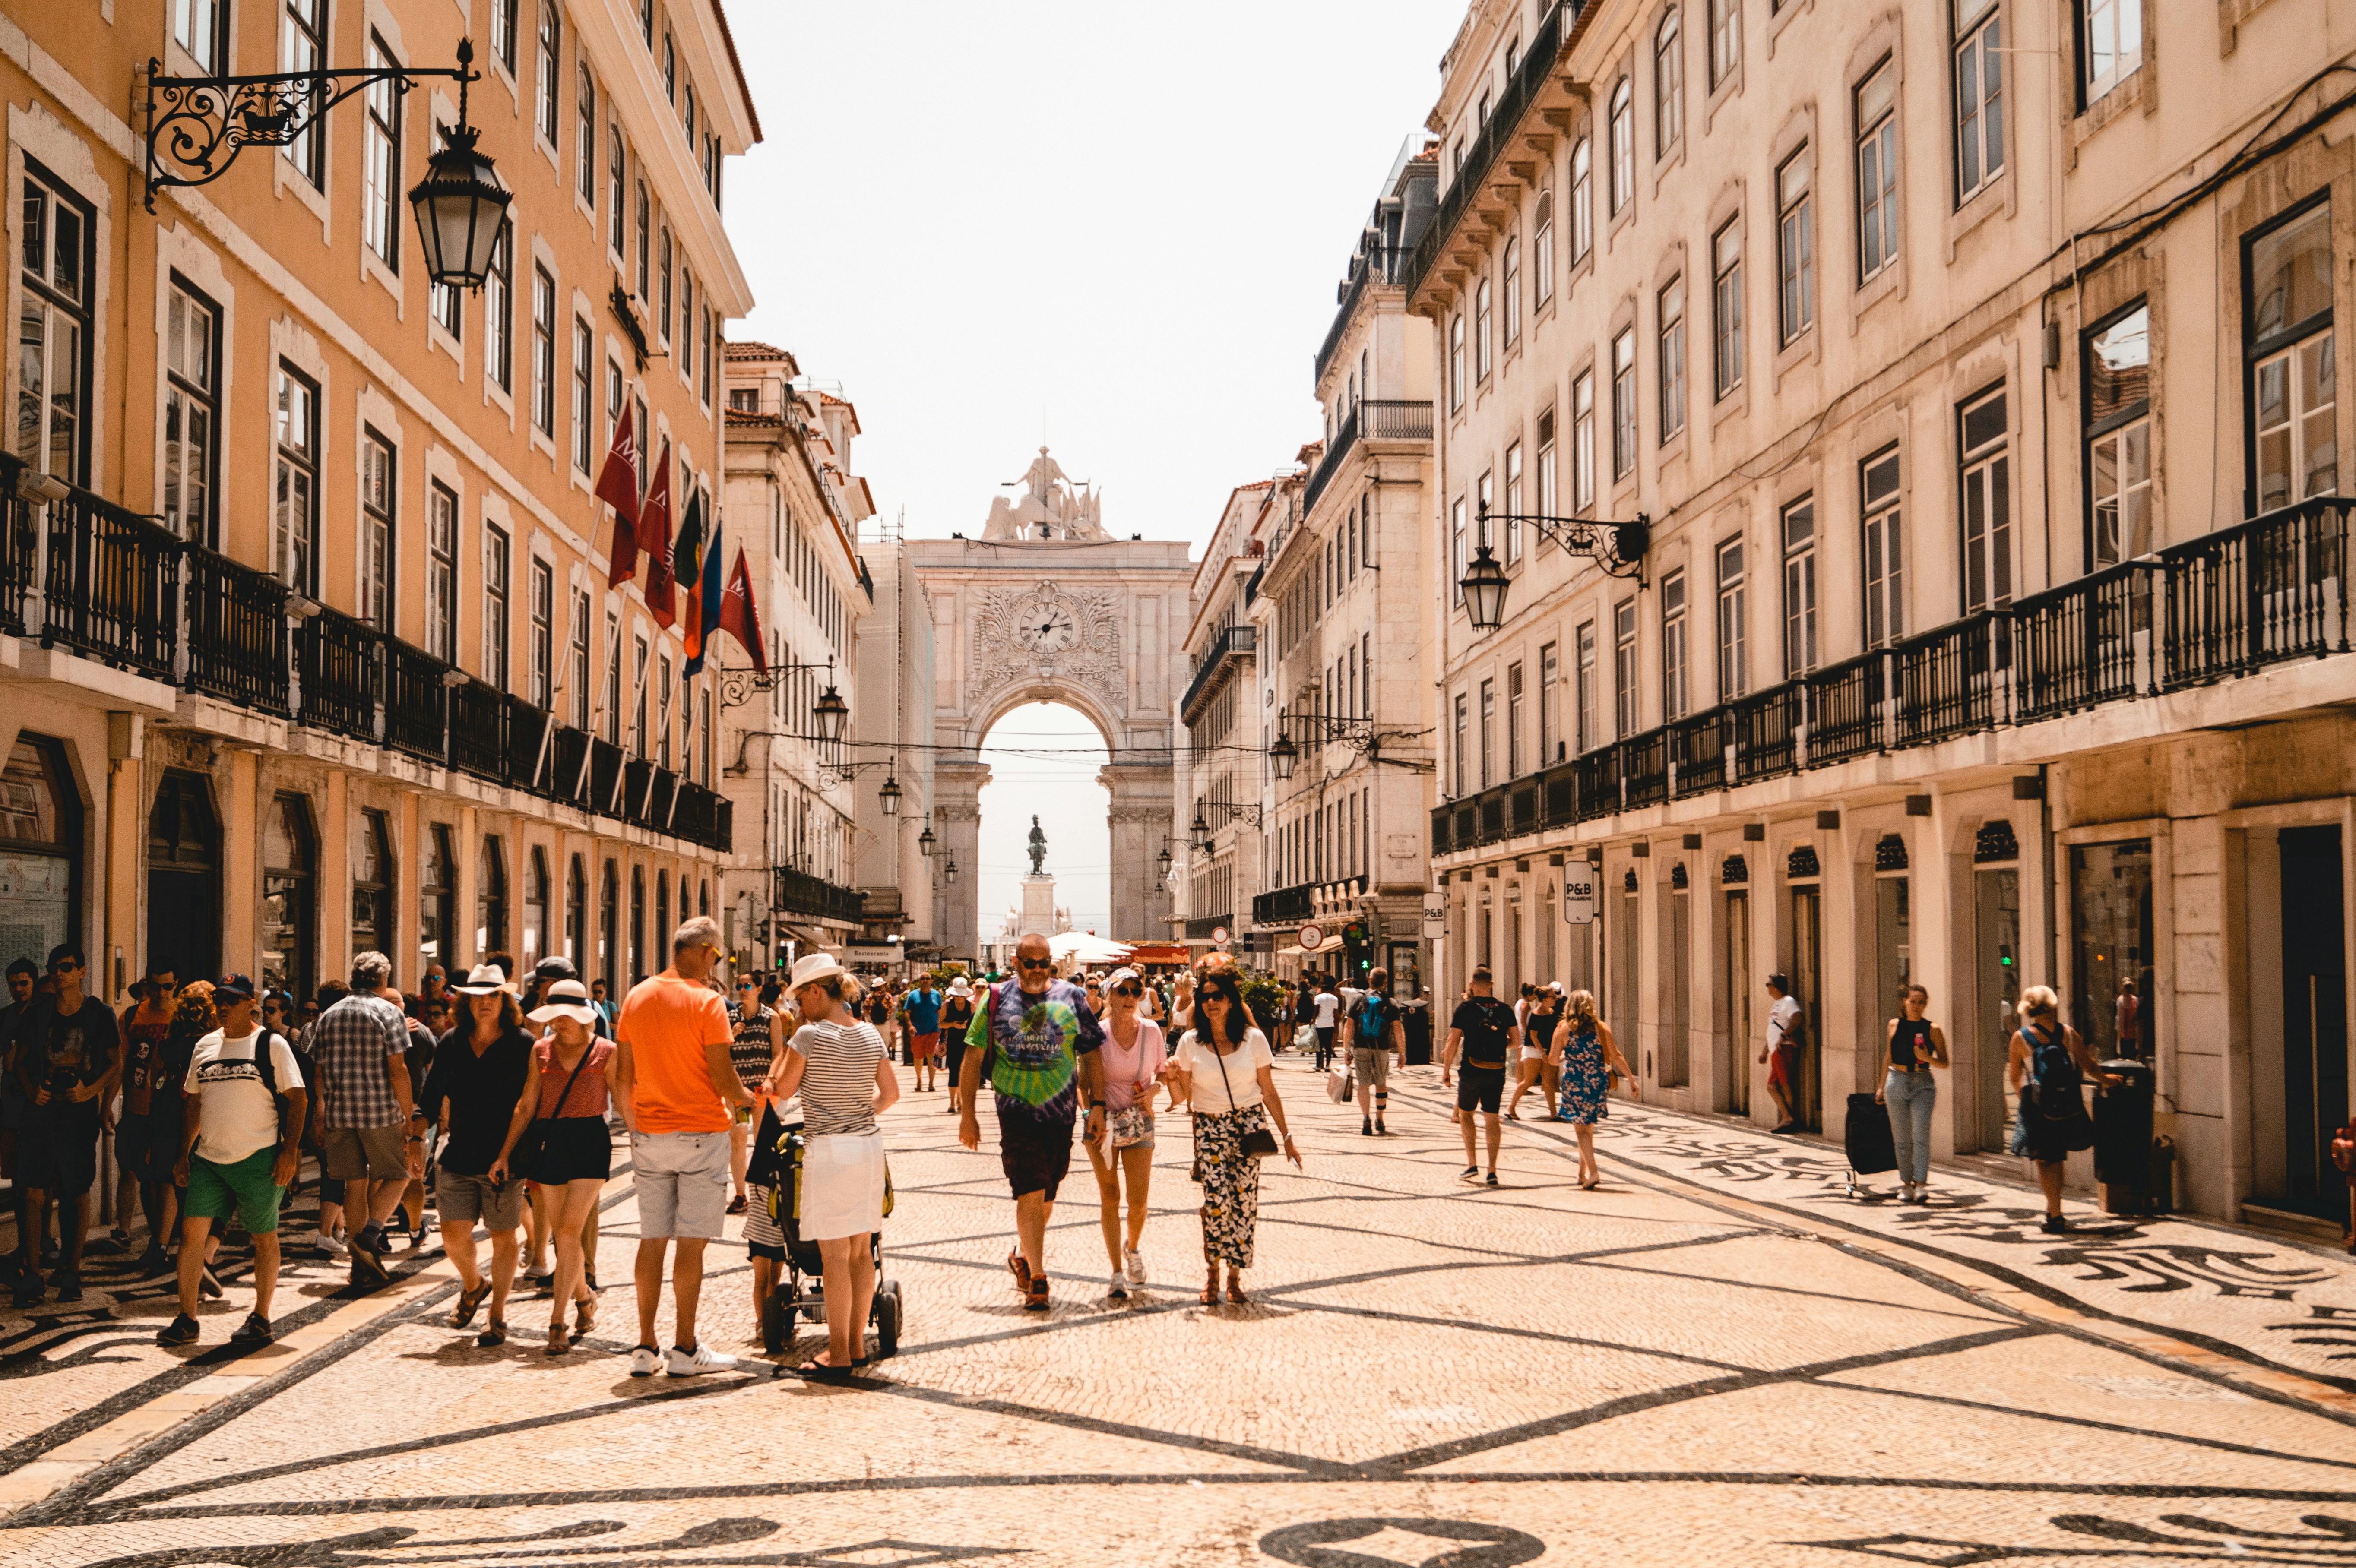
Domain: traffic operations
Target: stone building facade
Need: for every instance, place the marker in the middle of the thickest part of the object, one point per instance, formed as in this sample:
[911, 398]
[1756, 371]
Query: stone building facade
[304, 622]
[1971, 373]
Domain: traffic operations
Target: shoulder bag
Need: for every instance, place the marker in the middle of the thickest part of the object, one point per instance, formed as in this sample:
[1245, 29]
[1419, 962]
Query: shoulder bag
[1258, 1141]
[532, 1147]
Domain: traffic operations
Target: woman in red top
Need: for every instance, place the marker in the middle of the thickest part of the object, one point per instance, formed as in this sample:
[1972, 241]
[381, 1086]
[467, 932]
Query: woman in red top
[569, 1153]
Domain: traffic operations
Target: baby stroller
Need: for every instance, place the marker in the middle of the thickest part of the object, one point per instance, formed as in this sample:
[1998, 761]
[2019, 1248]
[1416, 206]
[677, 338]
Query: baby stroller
[775, 1163]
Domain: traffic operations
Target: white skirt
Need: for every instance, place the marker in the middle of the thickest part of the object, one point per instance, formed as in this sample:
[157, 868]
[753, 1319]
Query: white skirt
[842, 1186]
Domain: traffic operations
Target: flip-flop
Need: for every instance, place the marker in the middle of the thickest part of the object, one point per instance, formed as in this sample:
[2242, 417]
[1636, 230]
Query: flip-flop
[823, 1371]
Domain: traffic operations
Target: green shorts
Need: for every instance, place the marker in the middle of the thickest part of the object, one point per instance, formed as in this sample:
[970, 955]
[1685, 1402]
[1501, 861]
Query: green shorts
[242, 1188]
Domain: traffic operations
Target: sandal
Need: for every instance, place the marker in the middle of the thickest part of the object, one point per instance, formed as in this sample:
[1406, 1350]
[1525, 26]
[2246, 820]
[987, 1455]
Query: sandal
[494, 1334]
[825, 1371]
[1236, 1291]
[1210, 1296]
[558, 1342]
[470, 1303]
[584, 1317]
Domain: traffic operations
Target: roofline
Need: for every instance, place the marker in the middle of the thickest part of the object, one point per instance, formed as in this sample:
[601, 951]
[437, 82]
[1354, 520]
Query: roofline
[751, 115]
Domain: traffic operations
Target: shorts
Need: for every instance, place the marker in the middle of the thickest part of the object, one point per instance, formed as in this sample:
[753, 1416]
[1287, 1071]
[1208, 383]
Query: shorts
[927, 1046]
[364, 1154]
[242, 1188]
[682, 1184]
[1784, 1067]
[147, 1146]
[462, 1199]
[1373, 1065]
[57, 1155]
[1480, 1088]
[1035, 1154]
[570, 1148]
[764, 1237]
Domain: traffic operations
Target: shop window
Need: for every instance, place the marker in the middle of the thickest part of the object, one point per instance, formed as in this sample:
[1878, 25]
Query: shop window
[184, 876]
[373, 886]
[290, 923]
[491, 900]
[437, 901]
[40, 850]
[2111, 995]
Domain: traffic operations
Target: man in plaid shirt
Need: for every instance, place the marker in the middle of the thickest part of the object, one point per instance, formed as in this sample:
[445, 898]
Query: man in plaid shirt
[371, 1136]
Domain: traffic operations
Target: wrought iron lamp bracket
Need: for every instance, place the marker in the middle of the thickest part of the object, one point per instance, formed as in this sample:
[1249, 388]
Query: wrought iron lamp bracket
[1617, 547]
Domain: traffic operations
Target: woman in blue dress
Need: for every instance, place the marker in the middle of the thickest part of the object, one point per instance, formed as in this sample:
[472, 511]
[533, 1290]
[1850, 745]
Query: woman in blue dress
[1588, 1059]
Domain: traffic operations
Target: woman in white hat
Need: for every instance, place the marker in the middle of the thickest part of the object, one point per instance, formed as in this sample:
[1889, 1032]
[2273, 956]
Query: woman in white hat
[557, 1140]
[841, 1068]
[957, 1017]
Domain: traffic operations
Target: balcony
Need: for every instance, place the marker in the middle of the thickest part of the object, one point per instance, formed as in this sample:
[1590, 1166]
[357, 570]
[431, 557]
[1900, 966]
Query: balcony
[1200, 927]
[479, 729]
[799, 892]
[341, 662]
[237, 632]
[1375, 420]
[605, 778]
[1503, 131]
[568, 775]
[1383, 264]
[527, 733]
[1225, 651]
[1285, 906]
[2226, 604]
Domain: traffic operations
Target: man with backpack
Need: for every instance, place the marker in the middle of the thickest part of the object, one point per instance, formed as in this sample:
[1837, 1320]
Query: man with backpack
[1376, 1036]
[238, 1152]
[1482, 1034]
[1787, 1031]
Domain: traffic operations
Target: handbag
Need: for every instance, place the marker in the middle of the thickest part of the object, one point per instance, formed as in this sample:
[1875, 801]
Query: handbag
[1258, 1141]
[1129, 1126]
[532, 1147]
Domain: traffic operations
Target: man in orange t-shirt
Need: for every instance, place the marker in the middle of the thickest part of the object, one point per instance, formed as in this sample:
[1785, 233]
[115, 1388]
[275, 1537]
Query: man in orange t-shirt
[676, 1085]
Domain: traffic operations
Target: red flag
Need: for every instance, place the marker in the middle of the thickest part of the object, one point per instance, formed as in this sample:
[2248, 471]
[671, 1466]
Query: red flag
[740, 617]
[617, 485]
[654, 527]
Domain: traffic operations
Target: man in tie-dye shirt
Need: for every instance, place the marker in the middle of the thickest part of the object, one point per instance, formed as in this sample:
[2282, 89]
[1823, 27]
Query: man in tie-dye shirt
[1036, 1039]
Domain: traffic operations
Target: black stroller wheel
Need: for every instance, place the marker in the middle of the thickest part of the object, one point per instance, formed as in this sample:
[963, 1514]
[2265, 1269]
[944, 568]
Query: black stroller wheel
[886, 1315]
[777, 1321]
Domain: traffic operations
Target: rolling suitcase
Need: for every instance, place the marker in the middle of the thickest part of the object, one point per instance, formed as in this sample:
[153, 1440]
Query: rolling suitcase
[1870, 1147]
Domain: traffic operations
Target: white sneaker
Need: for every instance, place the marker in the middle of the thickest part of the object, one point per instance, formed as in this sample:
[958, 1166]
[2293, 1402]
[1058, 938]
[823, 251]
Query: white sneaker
[1118, 1287]
[680, 1364]
[1135, 1262]
[642, 1362]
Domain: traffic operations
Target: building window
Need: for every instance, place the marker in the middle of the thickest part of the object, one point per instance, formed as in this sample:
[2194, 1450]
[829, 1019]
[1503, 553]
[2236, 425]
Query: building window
[663, 281]
[1484, 508]
[498, 311]
[2292, 392]
[1725, 40]
[294, 512]
[1799, 588]
[1726, 297]
[437, 901]
[1513, 292]
[1673, 646]
[380, 191]
[1458, 560]
[646, 242]
[503, 33]
[441, 572]
[1795, 247]
[670, 69]
[543, 635]
[496, 562]
[1456, 361]
[1542, 253]
[1885, 599]
[1979, 95]
[1550, 746]
[586, 91]
[491, 898]
[2116, 363]
[1986, 502]
[585, 421]
[191, 410]
[613, 725]
[1624, 667]
[686, 335]
[55, 370]
[662, 710]
[1488, 733]
[710, 355]
[1673, 357]
[1513, 720]
[577, 659]
[1733, 623]
[2110, 45]
[1512, 503]
[1550, 493]
[1484, 342]
[1877, 171]
[1589, 736]
[638, 679]
[198, 27]
[616, 182]
[544, 351]
[372, 889]
[1623, 145]
[1463, 724]
[552, 107]
[1582, 199]
[301, 34]
[1668, 87]
[379, 481]
[609, 940]
[1583, 441]
[1623, 404]
[446, 305]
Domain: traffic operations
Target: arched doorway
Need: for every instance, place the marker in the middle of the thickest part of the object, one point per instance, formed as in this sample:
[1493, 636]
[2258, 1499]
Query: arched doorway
[184, 873]
[491, 900]
[1046, 760]
[437, 903]
[576, 915]
[373, 887]
[535, 907]
[609, 940]
[290, 906]
[40, 850]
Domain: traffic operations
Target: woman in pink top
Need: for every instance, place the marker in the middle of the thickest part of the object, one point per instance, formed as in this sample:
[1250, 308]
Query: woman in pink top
[557, 1140]
[1135, 1060]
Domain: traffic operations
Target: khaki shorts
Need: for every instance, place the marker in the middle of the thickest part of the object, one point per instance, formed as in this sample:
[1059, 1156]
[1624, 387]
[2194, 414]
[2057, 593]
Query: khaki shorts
[463, 1199]
[1374, 1066]
[365, 1154]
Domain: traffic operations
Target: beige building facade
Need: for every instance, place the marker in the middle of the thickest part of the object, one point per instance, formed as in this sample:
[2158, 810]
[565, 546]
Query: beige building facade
[307, 643]
[1971, 375]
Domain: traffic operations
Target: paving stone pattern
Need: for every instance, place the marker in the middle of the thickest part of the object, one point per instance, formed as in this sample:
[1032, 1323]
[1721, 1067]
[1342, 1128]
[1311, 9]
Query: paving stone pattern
[1719, 1357]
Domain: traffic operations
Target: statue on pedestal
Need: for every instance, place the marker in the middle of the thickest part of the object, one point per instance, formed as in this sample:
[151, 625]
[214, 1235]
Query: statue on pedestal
[1038, 850]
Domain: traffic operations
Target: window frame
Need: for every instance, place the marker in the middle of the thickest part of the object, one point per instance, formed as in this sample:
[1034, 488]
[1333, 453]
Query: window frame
[585, 396]
[1668, 85]
[1733, 620]
[1984, 491]
[1979, 144]
[1583, 441]
[1669, 321]
[498, 610]
[1725, 41]
[1726, 311]
[302, 49]
[381, 177]
[2114, 429]
[2127, 53]
[1626, 694]
[1583, 199]
[541, 600]
[205, 43]
[1625, 392]
[1676, 662]
[1621, 148]
[185, 395]
[299, 568]
[1795, 247]
[2259, 349]
[543, 350]
[549, 45]
[1802, 650]
[379, 603]
[1880, 229]
[1882, 522]
[498, 311]
[441, 527]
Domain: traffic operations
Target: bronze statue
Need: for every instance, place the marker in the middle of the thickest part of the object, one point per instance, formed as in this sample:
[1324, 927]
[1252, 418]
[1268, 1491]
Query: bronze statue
[1038, 850]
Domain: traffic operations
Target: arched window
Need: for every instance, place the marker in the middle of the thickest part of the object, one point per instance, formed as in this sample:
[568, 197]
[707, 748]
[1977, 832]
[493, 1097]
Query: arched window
[491, 901]
[576, 913]
[40, 849]
[289, 920]
[535, 907]
[609, 936]
[184, 876]
[437, 901]
[662, 915]
[1668, 87]
[372, 889]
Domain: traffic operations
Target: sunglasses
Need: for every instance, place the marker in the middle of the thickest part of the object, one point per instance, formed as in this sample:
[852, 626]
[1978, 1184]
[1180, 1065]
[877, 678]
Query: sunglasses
[64, 967]
[1128, 991]
[1034, 963]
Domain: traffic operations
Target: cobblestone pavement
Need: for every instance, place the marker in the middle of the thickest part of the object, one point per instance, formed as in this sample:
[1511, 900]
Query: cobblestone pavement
[1719, 1357]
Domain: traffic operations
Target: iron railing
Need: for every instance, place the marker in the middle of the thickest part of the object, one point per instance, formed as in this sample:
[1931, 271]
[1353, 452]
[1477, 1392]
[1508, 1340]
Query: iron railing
[109, 588]
[16, 546]
[237, 644]
[1285, 906]
[637, 792]
[1374, 419]
[1380, 264]
[416, 703]
[341, 662]
[479, 729]
[1951, 680]
[799, 892]
[2274, 587]
[605, 778]
[1201, 926]
[1232, 643]
[568, 774]
[1503, 131]
[2088, 642]
[526, 730]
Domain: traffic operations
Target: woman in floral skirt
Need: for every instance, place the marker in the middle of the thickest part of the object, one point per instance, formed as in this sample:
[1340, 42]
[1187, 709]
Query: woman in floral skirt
[1588, 1059]
[1223, 1071]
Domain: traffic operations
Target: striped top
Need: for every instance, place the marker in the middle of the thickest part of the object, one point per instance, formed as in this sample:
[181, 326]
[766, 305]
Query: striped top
[838, 1089]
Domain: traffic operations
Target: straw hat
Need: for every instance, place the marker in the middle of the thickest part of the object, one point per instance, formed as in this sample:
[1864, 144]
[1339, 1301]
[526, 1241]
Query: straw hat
[565, 999]
[959, 987]
[483, 980]
[812, 967]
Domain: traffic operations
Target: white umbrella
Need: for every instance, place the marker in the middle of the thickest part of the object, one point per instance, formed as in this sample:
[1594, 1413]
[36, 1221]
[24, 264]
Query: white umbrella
[1084, 948]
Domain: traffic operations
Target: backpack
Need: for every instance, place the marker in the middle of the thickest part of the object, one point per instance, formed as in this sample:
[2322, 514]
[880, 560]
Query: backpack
[1485, 1045]
[1372, 1024]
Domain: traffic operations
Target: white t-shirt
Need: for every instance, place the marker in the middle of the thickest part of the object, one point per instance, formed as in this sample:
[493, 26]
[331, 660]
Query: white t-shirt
[1780, 1017]
[1328, 1005]
[238, 1116]
[1242, 1067]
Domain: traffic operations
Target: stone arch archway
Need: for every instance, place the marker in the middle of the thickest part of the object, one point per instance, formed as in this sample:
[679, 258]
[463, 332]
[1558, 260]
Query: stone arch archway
[1074, 616]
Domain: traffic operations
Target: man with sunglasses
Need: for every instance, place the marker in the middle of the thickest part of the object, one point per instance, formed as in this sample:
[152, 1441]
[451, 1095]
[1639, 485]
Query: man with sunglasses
[1036, 1041]
[68, 1061]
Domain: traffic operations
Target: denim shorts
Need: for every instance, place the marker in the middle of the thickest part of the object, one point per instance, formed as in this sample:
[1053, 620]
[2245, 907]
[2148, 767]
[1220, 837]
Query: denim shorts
[682, 1184]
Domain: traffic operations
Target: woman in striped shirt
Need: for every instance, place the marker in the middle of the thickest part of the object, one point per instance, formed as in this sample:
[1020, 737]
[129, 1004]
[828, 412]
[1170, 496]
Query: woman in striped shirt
[840, 1067]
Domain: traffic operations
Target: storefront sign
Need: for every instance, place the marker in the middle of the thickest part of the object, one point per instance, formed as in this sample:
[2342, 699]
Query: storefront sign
[1579, 893]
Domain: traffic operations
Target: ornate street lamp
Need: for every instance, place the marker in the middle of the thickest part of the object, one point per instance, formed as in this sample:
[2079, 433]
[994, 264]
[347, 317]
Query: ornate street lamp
[461, 204]
[829, 713]
[949, 874]
[1202, 828]
[1284, 756]
[924, 842]
[1485, 588]
[889, 795]
[1165, 858]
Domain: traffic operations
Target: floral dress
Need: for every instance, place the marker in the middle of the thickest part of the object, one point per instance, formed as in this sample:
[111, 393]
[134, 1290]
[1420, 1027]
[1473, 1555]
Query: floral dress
[1585, 1085]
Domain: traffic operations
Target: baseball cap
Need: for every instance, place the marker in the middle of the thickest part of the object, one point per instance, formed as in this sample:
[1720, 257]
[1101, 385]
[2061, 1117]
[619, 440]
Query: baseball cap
[233, 988]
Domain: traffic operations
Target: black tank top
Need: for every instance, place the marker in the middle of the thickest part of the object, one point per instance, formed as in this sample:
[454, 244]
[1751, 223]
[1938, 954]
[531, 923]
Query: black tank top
[1911, 1045]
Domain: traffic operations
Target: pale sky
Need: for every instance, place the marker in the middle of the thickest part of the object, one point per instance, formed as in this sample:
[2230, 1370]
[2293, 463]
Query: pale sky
[1127, 220]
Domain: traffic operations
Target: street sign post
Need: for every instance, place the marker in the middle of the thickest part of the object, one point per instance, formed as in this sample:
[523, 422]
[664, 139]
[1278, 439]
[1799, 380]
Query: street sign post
[1579, 893]
[1312, 937]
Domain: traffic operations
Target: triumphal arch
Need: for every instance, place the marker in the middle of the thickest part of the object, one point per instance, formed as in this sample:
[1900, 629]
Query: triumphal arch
[1047, 606]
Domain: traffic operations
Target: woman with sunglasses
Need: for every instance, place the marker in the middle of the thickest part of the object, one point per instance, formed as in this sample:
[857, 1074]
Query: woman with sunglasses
[2045, 1068]
[1134, 1057]
[1223, 1070]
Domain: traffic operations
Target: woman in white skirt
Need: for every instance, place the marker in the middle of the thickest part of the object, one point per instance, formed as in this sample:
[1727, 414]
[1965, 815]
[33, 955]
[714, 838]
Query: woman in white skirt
[843, 1071]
